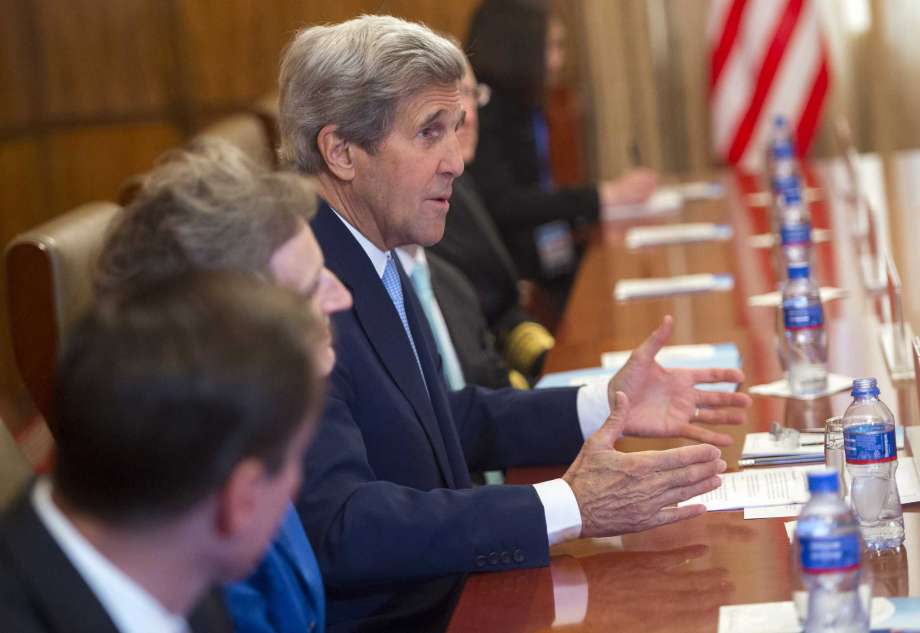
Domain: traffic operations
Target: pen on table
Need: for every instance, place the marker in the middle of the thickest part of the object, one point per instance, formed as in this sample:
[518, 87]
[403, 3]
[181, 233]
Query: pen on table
[782, 459]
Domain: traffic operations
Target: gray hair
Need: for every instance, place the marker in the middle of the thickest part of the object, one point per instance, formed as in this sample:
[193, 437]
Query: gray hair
[206, 207]
[355, 75]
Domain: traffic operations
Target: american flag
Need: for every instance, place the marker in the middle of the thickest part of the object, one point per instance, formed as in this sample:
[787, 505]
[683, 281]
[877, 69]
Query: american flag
[768, 57]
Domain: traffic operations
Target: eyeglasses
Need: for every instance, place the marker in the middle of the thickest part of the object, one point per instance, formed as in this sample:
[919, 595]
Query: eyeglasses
[481, 93]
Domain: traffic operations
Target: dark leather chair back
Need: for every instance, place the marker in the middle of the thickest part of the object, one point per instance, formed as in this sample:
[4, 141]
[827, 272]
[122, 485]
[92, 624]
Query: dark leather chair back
[49, 284]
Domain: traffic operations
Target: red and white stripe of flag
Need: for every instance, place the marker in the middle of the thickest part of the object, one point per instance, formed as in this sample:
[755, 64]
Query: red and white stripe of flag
[768, 57]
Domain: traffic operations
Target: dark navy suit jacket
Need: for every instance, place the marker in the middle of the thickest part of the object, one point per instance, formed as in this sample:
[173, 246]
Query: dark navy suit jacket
[42, 592]
[386, 498]
[285, 592]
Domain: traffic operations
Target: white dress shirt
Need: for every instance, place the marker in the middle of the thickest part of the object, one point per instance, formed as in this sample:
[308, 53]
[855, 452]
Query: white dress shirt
[560, 508]
[131, 608]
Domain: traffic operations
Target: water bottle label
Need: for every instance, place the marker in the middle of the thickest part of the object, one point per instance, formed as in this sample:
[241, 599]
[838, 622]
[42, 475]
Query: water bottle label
[823, 555]
[798, 314]
[869, 444]
[795, 234]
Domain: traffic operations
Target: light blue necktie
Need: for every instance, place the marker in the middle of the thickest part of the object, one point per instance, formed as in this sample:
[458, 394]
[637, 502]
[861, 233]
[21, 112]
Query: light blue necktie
[421, 281]
[394, 289]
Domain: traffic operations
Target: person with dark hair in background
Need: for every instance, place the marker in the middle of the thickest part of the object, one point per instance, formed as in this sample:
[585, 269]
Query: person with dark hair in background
[473, 243]
[517, 48]
[208, 207]
[182, 411]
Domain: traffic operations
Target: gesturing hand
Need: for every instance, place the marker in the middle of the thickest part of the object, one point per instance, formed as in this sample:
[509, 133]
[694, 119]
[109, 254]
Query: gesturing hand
[627, 492]
[665, 401]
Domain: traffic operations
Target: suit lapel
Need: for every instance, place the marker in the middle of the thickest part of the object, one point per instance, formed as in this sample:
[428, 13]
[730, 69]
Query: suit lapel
[378, 317]
[65, 600]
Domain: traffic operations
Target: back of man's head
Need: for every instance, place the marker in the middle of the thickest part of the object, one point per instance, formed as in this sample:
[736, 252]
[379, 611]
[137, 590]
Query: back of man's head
[204, 207]
[161, 393]
[355, 75]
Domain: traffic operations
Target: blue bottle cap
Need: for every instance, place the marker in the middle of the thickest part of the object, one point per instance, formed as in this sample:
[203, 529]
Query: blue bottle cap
[799, 271]
[824, 480]
[863, 387]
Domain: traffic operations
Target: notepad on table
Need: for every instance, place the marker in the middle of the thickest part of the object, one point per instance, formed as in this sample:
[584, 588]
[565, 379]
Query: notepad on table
[673, 234]
[781, 389]
[721, 355]
[700, 190]
[664, 200]
[651, 288]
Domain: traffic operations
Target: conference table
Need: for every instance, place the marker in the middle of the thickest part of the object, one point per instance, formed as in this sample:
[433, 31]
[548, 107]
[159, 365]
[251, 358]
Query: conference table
[674, 578]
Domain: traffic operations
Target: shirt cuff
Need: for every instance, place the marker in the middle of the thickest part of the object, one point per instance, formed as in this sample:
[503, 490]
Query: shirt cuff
[593, 407]
[563, 518]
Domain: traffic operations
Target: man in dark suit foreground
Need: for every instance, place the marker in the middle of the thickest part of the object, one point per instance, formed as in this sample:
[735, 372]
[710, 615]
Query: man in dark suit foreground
[182, 412]
[372, 108]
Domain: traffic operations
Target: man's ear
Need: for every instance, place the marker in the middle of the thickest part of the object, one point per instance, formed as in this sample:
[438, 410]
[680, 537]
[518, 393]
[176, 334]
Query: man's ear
[336, 152]
[238, 500]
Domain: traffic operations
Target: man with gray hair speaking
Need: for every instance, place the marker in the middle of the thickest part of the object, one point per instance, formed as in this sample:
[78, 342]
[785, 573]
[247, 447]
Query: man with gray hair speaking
[371, 107]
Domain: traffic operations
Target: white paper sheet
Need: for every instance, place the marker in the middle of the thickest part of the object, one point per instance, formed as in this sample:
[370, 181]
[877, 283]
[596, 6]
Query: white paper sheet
[752, 488]
[763, 445]
[908, 490]
[644, 236]
[664, 200]
[780, 388]
[781, 617]
[724, 355]
[701, 190]
[773, 512]
[653, 287]
[773, 299]
[768, 240]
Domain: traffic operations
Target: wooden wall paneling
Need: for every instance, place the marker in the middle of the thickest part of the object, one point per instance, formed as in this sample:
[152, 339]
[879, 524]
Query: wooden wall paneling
[90, 163]
[17, 67]
[230, 48]
[103, 59]
[299, 14]
[22, 199]
[451, 17]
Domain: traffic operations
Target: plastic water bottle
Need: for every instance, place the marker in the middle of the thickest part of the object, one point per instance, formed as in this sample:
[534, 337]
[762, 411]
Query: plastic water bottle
[830, 550]
[794, 228]
[786, 191]
[781, 161]
[872, 461]
[805, 339]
